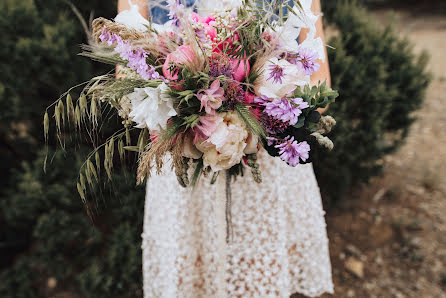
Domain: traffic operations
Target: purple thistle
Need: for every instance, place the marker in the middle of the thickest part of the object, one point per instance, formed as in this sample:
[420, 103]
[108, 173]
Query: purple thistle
[276, 73]
[273, 125]
[220, 65]
[284, 109]
[306, 61]
[292, 152]
[234, 93]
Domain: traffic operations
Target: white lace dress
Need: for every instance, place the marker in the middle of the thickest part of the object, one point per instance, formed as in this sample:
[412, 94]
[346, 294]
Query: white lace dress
[279, 244]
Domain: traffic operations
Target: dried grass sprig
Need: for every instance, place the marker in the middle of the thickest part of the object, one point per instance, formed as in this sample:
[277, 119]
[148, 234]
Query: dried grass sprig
[152, 156]
[115, 28]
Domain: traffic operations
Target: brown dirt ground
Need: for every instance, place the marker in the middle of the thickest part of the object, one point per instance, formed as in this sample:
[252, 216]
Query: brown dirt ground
[395, 227]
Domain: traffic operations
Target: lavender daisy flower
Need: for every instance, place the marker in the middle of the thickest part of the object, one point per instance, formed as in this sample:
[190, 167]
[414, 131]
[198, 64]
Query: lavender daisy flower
[276, 73]
[292, 152]
[136, 57]
[306, 61]
[284, 109]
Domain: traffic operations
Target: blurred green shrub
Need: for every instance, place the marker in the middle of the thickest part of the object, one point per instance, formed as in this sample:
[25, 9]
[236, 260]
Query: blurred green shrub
[381, 82]
[45, 233]
[90, 260]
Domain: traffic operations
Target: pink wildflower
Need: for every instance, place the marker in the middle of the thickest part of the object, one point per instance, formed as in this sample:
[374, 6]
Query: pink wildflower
[212, 98]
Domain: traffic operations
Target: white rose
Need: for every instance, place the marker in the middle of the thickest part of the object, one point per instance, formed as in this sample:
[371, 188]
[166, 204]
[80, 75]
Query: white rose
[151, 107]
[225, 147]
[292, 77]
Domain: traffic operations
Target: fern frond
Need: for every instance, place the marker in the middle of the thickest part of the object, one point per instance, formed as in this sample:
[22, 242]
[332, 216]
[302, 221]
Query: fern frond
[250, 121]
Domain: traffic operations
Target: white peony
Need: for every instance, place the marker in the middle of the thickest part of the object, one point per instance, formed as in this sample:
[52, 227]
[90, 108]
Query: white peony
[292, 77]
[224, 148]
[151, 107]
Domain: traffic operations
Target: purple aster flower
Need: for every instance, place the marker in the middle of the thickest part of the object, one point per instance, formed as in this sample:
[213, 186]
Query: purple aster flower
[276, 73]
[271, 140]
[292, 152]
[284, 109]
[306, 61]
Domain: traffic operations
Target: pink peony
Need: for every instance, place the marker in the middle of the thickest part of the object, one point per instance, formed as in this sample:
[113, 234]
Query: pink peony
[249, 97]
[240, 72]
[205, 20]
[205, 127]
[208, 23]
[212, 98]
[182, 55]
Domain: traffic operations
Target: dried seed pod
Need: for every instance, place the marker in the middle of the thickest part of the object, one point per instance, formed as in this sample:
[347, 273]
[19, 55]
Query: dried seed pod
[92, 169]
[98, 161]
[81, 192]
[46, 125]
[77, 117]
[83, 105]
[61, 108]
[70, 108]
[57, 117]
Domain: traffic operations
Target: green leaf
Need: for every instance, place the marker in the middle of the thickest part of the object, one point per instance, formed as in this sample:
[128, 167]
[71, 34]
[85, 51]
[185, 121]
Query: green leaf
[197, 173]
[174, 127]
[313, 116]
[300, 123]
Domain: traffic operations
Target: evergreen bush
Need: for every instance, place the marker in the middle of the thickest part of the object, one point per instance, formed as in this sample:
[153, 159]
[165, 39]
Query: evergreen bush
[381, 82]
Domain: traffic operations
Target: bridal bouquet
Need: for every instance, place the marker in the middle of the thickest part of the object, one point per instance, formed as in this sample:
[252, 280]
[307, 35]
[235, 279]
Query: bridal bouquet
[207, 91]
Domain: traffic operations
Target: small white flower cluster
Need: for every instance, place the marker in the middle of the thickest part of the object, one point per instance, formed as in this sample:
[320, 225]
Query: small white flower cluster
[205, 44]
[224, 20]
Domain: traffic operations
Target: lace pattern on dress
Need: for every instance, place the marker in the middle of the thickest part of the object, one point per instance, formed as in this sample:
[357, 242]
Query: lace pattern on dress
[279, 247]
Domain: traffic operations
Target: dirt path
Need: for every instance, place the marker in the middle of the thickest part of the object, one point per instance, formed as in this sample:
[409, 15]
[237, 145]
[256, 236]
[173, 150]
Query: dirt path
[391, 241]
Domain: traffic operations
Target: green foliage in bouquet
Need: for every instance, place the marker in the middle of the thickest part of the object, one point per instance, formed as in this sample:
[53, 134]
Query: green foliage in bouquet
[381, 83]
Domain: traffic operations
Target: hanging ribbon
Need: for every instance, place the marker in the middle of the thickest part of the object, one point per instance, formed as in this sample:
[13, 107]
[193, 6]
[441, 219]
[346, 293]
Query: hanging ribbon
[229, 230]
[223, 219]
